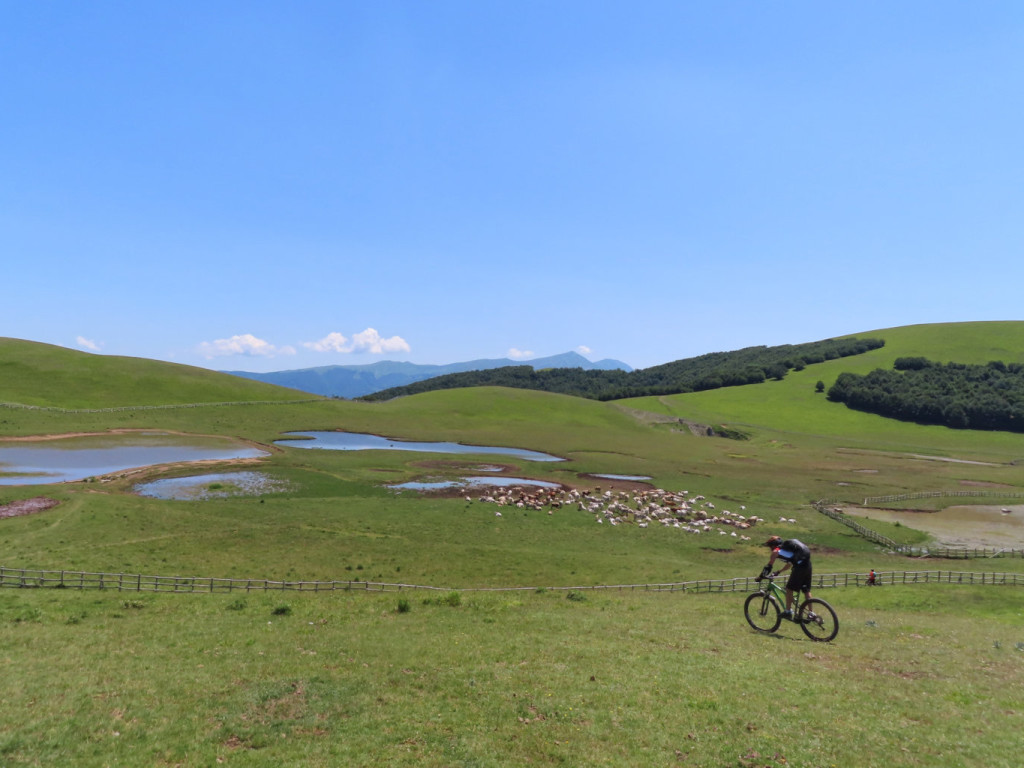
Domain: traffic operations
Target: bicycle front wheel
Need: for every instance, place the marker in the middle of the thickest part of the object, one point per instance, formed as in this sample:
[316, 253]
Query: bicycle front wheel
[818, 621]
[762, 612]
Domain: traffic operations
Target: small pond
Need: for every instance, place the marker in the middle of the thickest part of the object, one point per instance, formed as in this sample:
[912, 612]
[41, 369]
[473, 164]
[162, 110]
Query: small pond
[474, 482]
[623, 477]
[65, 459]
[212, 486]
[353, 441]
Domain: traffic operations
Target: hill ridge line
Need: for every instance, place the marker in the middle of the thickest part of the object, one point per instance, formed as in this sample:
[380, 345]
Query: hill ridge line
[22, 406]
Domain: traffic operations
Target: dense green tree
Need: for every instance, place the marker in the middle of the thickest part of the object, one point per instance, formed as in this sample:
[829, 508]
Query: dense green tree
[752, 365]
[956, 395]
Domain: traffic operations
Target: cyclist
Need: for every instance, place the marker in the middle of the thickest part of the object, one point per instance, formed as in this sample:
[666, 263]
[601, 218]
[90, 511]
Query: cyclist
[796, 556]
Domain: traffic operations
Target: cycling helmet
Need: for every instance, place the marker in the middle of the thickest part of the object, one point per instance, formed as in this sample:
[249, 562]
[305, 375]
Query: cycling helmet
[774, 541]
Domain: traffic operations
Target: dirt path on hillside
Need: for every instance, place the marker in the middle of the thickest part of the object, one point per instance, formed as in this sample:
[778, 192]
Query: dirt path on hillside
[63, 435]
[126, 431]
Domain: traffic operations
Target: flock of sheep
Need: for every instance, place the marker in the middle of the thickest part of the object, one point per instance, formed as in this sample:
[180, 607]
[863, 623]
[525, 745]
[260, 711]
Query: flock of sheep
[692, 514]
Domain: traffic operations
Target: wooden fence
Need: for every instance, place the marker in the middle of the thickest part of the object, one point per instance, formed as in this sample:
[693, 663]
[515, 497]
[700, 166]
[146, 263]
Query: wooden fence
[828, 509]
[35, 579]
[869, 500]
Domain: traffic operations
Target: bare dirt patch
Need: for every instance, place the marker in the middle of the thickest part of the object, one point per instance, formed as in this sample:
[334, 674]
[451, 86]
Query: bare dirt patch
[27, 506]
[588, 481]
[982, 484]
[970, 526]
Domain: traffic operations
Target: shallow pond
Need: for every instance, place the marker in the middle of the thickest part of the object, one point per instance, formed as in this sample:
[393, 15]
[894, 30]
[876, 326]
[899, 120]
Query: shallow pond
[474, 482]
[354, 441]
[56, 460]
[212, 486]
[622, 477]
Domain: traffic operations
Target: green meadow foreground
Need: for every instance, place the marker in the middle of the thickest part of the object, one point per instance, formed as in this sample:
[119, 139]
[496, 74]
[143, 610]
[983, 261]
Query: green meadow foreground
[918, 676]
[928, 675]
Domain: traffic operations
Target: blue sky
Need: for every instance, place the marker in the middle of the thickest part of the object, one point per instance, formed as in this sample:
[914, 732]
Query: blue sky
[264, 186]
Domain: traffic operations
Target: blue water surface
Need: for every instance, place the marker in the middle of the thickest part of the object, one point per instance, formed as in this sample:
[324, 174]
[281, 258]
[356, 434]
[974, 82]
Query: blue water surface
[476, 482]
[354, 441]
[77, 458]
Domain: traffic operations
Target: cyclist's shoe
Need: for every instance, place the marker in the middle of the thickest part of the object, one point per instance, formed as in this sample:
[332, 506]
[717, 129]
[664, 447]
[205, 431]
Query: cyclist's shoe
[787, 615]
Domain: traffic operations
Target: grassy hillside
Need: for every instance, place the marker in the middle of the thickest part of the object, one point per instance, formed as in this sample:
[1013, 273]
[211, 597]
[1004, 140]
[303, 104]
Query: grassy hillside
[46, 375]
[852, 453]
[506, 678]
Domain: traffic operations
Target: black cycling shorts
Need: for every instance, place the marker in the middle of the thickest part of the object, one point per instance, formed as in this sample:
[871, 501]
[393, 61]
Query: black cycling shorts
[800, 580]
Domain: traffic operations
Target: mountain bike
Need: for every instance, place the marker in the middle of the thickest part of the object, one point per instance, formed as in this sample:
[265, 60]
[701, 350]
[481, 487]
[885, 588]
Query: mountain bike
[763, 610]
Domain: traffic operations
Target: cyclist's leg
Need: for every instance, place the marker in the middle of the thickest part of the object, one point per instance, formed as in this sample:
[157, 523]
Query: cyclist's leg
[800, 581]
[807, 596]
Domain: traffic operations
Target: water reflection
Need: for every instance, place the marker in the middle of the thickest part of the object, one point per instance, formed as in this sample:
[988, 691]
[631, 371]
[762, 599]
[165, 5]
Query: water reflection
[476, 482]
[77, 458]
[354, 441]
[212, 486]
[622, 477]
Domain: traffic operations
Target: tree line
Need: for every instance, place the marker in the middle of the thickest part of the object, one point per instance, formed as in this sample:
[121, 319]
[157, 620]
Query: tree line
[751, 365]
[957, 395]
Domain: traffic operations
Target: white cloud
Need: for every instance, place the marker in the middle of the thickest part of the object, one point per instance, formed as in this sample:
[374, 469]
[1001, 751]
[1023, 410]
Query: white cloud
[332, 342]
[365, 341]
[584, 350]
[246, 344]
[520, 354]
[371, 340]
[89, 344]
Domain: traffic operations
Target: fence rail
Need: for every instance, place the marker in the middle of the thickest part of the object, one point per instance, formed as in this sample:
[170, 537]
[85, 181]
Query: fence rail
[829, 509]
[35, 579]
[940, 494]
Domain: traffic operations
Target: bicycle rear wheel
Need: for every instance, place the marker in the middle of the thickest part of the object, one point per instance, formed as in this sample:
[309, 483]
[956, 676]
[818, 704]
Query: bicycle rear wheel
[762, 612]
[818, 621]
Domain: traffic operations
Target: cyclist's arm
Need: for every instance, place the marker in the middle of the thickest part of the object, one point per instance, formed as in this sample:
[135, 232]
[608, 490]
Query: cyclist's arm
[766, 571]
[784, 568]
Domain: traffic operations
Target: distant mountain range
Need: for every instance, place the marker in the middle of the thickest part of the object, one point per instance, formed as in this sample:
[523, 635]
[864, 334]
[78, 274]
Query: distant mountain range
[351, 381]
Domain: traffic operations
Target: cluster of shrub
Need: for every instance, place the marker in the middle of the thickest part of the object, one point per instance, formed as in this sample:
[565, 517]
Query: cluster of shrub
[956, 395]
[752, 365]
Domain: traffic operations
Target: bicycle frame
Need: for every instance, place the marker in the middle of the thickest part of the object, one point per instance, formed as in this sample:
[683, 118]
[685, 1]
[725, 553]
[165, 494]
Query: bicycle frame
[763, 610]
[779, 593]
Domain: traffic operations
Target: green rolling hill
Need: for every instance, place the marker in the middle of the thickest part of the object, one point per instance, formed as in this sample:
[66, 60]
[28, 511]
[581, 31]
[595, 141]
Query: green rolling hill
[50, 376]
[550, 674]
[800, 446]
[793, 404]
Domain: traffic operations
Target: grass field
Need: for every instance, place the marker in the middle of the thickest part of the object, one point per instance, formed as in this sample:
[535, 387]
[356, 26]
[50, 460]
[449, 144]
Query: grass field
[920, 675]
